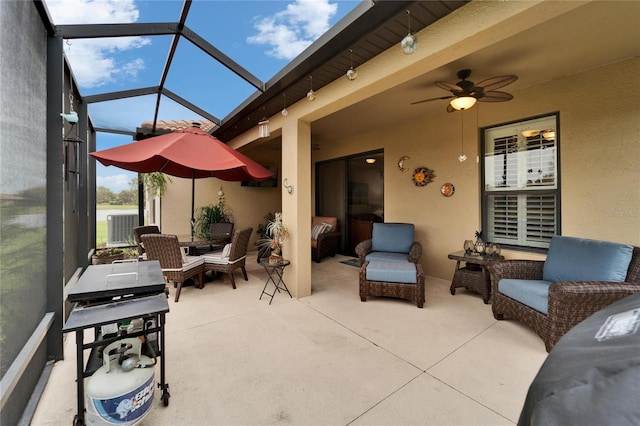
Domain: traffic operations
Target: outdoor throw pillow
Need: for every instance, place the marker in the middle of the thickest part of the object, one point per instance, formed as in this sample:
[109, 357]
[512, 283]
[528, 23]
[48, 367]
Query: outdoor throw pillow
[226, 251]
[183, 251]
[319, 229]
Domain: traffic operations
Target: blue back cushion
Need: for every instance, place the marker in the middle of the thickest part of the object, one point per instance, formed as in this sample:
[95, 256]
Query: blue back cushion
[579, 259]
[392, 237]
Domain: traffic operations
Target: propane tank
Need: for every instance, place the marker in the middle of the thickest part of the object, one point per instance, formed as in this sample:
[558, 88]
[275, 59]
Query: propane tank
[121, 390]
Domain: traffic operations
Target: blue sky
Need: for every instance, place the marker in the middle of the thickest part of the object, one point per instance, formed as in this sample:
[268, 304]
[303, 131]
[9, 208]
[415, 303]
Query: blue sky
[261, 36]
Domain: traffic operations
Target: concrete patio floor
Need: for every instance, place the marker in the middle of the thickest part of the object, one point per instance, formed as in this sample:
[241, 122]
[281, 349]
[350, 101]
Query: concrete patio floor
[329, 359]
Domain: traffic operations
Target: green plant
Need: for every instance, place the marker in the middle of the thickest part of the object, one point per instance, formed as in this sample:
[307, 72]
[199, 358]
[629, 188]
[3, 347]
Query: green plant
[275, 232]
[213, 213]
[106, 252]
[155, 183]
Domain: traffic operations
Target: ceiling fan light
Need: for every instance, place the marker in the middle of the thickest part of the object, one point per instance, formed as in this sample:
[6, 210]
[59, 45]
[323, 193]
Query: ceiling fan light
[409, 44]
[549, 134]
[352, 74]
[530, 133]
[311, 95]
[462, 103]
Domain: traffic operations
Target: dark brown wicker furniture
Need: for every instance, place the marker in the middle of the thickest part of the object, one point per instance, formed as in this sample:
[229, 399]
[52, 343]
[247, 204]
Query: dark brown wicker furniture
[474, 276]
[365, 247]
[569, 302]
[327, 243]
[215, 261]
[139, 231]
[413, 292]
[166, 249]
[220, 233]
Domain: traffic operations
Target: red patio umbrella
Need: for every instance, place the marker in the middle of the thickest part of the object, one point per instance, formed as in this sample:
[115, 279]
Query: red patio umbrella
[187, 153]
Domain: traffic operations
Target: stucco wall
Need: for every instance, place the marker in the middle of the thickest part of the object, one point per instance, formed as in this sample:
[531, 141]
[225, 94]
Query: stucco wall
[600, 162]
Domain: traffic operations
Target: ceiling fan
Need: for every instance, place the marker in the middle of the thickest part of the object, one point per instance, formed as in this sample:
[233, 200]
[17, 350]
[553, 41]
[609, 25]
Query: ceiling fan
[465, 93]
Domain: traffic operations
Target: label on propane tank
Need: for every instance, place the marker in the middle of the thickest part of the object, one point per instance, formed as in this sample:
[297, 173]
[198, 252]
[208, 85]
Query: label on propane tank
[128, 407]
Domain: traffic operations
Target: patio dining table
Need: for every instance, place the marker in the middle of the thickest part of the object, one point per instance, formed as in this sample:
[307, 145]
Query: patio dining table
[213, 242]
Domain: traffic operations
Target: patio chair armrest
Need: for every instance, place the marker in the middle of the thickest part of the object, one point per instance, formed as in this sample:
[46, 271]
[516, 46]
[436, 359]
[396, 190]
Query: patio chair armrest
[514, 269]
[363, 249]
[415, 252]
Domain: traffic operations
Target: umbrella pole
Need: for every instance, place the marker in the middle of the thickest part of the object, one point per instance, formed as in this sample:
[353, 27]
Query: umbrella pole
[193, 193]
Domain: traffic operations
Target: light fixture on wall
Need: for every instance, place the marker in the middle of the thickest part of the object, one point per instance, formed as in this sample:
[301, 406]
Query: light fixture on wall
[311, 95]
[370, 160]
[352, 74]
[462, 157]
[284, 111]
[410, 42]
[463, 102]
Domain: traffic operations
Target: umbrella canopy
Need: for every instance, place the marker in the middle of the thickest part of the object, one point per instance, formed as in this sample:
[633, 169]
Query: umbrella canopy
[187, 153]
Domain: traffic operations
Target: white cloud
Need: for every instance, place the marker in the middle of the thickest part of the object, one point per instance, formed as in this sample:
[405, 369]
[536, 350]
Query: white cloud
[292, 30]
[115, 183]
[93, 60]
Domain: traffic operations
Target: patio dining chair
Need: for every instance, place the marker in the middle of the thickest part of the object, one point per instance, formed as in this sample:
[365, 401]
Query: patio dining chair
[176, 266]
[138, 232]
[231, 257]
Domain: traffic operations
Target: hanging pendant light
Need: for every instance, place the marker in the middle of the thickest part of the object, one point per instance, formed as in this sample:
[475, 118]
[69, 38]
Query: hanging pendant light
[352, 74]
[311, 95]
[284, 111]
[263, 128]
[462, 157]
[410, 42]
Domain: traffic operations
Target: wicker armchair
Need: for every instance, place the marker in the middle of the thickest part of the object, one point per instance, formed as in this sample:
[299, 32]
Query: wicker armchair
[219, 261]
[365, 248]
[569, 302]
[176, 266]
[139, 231]
[327, 243]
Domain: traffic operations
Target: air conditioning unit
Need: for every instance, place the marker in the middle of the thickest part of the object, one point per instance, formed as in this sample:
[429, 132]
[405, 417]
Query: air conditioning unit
[120, 229]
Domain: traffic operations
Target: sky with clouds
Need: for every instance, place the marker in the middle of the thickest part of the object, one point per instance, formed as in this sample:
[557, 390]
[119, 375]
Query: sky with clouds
[262, 36]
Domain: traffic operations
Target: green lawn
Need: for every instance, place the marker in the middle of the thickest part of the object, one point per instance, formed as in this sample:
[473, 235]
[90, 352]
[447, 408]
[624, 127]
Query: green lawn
[101, 226]
[116, 207]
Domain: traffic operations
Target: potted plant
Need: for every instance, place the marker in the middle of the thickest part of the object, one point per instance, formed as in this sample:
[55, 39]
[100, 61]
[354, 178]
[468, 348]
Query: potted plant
[213, 213]
[107, 255]
[276, 233]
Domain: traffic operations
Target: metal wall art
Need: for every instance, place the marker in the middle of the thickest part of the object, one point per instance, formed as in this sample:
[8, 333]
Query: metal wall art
[401, 161]
[422, 176]
[447, 189]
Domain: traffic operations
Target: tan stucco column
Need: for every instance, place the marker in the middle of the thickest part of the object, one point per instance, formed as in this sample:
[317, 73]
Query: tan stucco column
[296, 206]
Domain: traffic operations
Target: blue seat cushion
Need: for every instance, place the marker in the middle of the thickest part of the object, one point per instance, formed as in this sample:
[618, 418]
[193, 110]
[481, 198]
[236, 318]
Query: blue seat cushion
[394, 272]
[533, 293]
[392, 237]
[387, 256]
[579, 259]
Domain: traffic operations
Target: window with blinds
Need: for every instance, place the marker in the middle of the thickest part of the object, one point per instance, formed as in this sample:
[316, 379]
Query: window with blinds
[521, 182]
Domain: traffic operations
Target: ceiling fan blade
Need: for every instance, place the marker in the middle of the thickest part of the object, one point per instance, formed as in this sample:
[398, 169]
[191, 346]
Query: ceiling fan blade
[448, 86]
[432, 99]
[496, 82]
[496, 96]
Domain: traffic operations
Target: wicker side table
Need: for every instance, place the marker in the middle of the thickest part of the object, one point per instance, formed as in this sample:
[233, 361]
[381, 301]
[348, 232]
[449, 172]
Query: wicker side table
[474, 276]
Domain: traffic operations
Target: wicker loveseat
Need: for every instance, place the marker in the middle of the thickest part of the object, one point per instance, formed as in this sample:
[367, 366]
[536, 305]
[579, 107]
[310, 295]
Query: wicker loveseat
[579, 277]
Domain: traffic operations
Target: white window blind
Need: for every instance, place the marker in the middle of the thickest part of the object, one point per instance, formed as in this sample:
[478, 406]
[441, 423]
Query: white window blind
[520, 183]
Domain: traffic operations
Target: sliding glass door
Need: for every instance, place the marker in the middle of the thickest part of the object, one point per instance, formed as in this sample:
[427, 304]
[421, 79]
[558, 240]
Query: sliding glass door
[352, 189]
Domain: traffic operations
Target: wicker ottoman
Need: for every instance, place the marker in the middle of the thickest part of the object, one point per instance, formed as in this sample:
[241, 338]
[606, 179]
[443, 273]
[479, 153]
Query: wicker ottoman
[413, 291]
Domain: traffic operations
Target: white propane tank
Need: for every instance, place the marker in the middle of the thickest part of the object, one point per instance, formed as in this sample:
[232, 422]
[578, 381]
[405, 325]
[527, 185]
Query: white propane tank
[121, 391]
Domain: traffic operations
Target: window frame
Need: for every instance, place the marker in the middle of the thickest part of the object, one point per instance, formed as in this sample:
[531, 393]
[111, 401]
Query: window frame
[516, 127]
